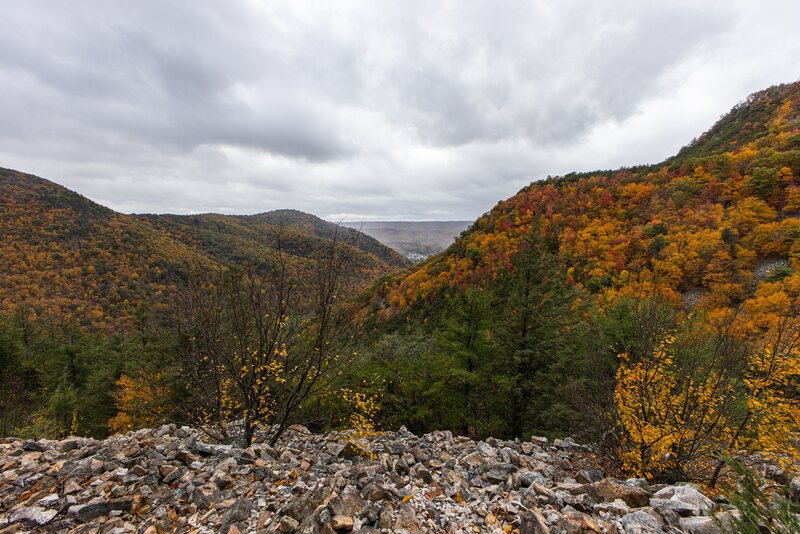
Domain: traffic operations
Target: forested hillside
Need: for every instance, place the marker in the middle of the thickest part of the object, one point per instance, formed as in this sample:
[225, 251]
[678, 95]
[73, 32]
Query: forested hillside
[88, 295]
[705, 226]
[657, 307]
[72, 260]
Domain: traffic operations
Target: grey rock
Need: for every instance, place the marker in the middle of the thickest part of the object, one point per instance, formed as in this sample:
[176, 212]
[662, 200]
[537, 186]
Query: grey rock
[49, 501]
[205, 495]
[67, 445]
[569, 444]
[700, 525]
[794, 489]
[87, 512]
[638, 483]
[174, 475]
[304, 506]
[527, 478]
[33, 515]
[239, 512]
[697, 503]
[485, 449]
[587, 476]
[679, 507]
[222, 480]
[539, 440]
[497, 472]
[349, 504]
[33, 446]
[640, 522]
[376, 492]
[616, 507]
[287, 525]
[533, 522]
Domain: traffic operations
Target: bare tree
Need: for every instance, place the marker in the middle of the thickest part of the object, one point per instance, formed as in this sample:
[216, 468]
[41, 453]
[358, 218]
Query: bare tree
[258, 343]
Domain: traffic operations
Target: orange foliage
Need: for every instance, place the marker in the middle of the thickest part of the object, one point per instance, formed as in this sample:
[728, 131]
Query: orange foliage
[694, 226]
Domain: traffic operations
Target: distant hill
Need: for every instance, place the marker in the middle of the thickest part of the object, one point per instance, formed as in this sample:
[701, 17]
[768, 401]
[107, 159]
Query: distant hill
[706, 226]
[70, 258]
[416, 240]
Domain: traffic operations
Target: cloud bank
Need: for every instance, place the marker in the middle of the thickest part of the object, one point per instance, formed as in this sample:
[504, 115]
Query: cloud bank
[367, 110]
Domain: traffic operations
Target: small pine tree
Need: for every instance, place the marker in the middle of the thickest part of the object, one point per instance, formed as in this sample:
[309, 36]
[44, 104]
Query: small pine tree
[759, 509]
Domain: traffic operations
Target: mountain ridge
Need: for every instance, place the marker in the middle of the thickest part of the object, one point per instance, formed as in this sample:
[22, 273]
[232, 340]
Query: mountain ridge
[66, 256]
[746, 165]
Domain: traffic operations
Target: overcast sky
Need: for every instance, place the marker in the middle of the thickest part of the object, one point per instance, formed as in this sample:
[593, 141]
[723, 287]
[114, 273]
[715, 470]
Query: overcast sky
[396, 110]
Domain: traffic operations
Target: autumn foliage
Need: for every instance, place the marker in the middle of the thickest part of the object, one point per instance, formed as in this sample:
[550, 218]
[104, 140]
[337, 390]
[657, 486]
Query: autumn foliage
[702, 227]
[71, 260]
[653, 308]
[141, 402]
[713, 235]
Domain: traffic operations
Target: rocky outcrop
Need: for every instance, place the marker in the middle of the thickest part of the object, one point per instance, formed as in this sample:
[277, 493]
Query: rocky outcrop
[169, 479]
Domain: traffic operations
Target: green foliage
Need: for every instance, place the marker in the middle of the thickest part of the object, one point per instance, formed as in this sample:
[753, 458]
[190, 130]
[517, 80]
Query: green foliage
[541, 337]
[505, 359]
[760, 509]
[413, 379]
[779, 273]
[61, 380]
[763, 182]
[465, 334]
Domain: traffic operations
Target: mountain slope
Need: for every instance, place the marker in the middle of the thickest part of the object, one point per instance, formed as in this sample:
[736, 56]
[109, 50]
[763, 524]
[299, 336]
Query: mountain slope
[241, 238]
[70, 258]
[704, 227]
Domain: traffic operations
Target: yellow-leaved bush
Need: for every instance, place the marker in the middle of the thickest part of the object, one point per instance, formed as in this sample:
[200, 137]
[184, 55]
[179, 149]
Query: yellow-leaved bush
[678, 412]
[363, 409]
[663, 414]
[140, 401]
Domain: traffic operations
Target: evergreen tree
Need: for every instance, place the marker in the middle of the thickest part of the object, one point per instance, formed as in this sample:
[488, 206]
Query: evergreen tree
[539, 334]
[465, 335]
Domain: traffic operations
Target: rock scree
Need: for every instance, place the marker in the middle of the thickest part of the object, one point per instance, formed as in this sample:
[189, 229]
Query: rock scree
[170, 480]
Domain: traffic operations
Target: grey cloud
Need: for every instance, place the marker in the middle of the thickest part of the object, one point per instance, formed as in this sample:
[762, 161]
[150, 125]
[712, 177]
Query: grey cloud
[410, 109]
[517, 71]
[174, 85]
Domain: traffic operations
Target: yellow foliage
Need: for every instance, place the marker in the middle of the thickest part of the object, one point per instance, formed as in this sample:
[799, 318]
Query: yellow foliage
[792, 200]
[140, 403]
[678, 419]
[363, 408]
[651, 399]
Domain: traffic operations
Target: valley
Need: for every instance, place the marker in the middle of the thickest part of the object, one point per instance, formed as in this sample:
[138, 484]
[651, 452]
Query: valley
[651, 312]
[416, 240]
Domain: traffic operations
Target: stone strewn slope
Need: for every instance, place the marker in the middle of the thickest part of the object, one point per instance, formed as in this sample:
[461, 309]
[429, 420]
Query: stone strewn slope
[168, 480]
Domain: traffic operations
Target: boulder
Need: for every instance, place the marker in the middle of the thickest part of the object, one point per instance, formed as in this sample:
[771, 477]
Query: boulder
[700, 525]
[87, 512]
[533, 522]
[238, 513]
[34, 515]
[33, 446]
[287, 525]
[342, 523]
[688, 500]
[407, 520]
[608, 490]
[640, 522]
